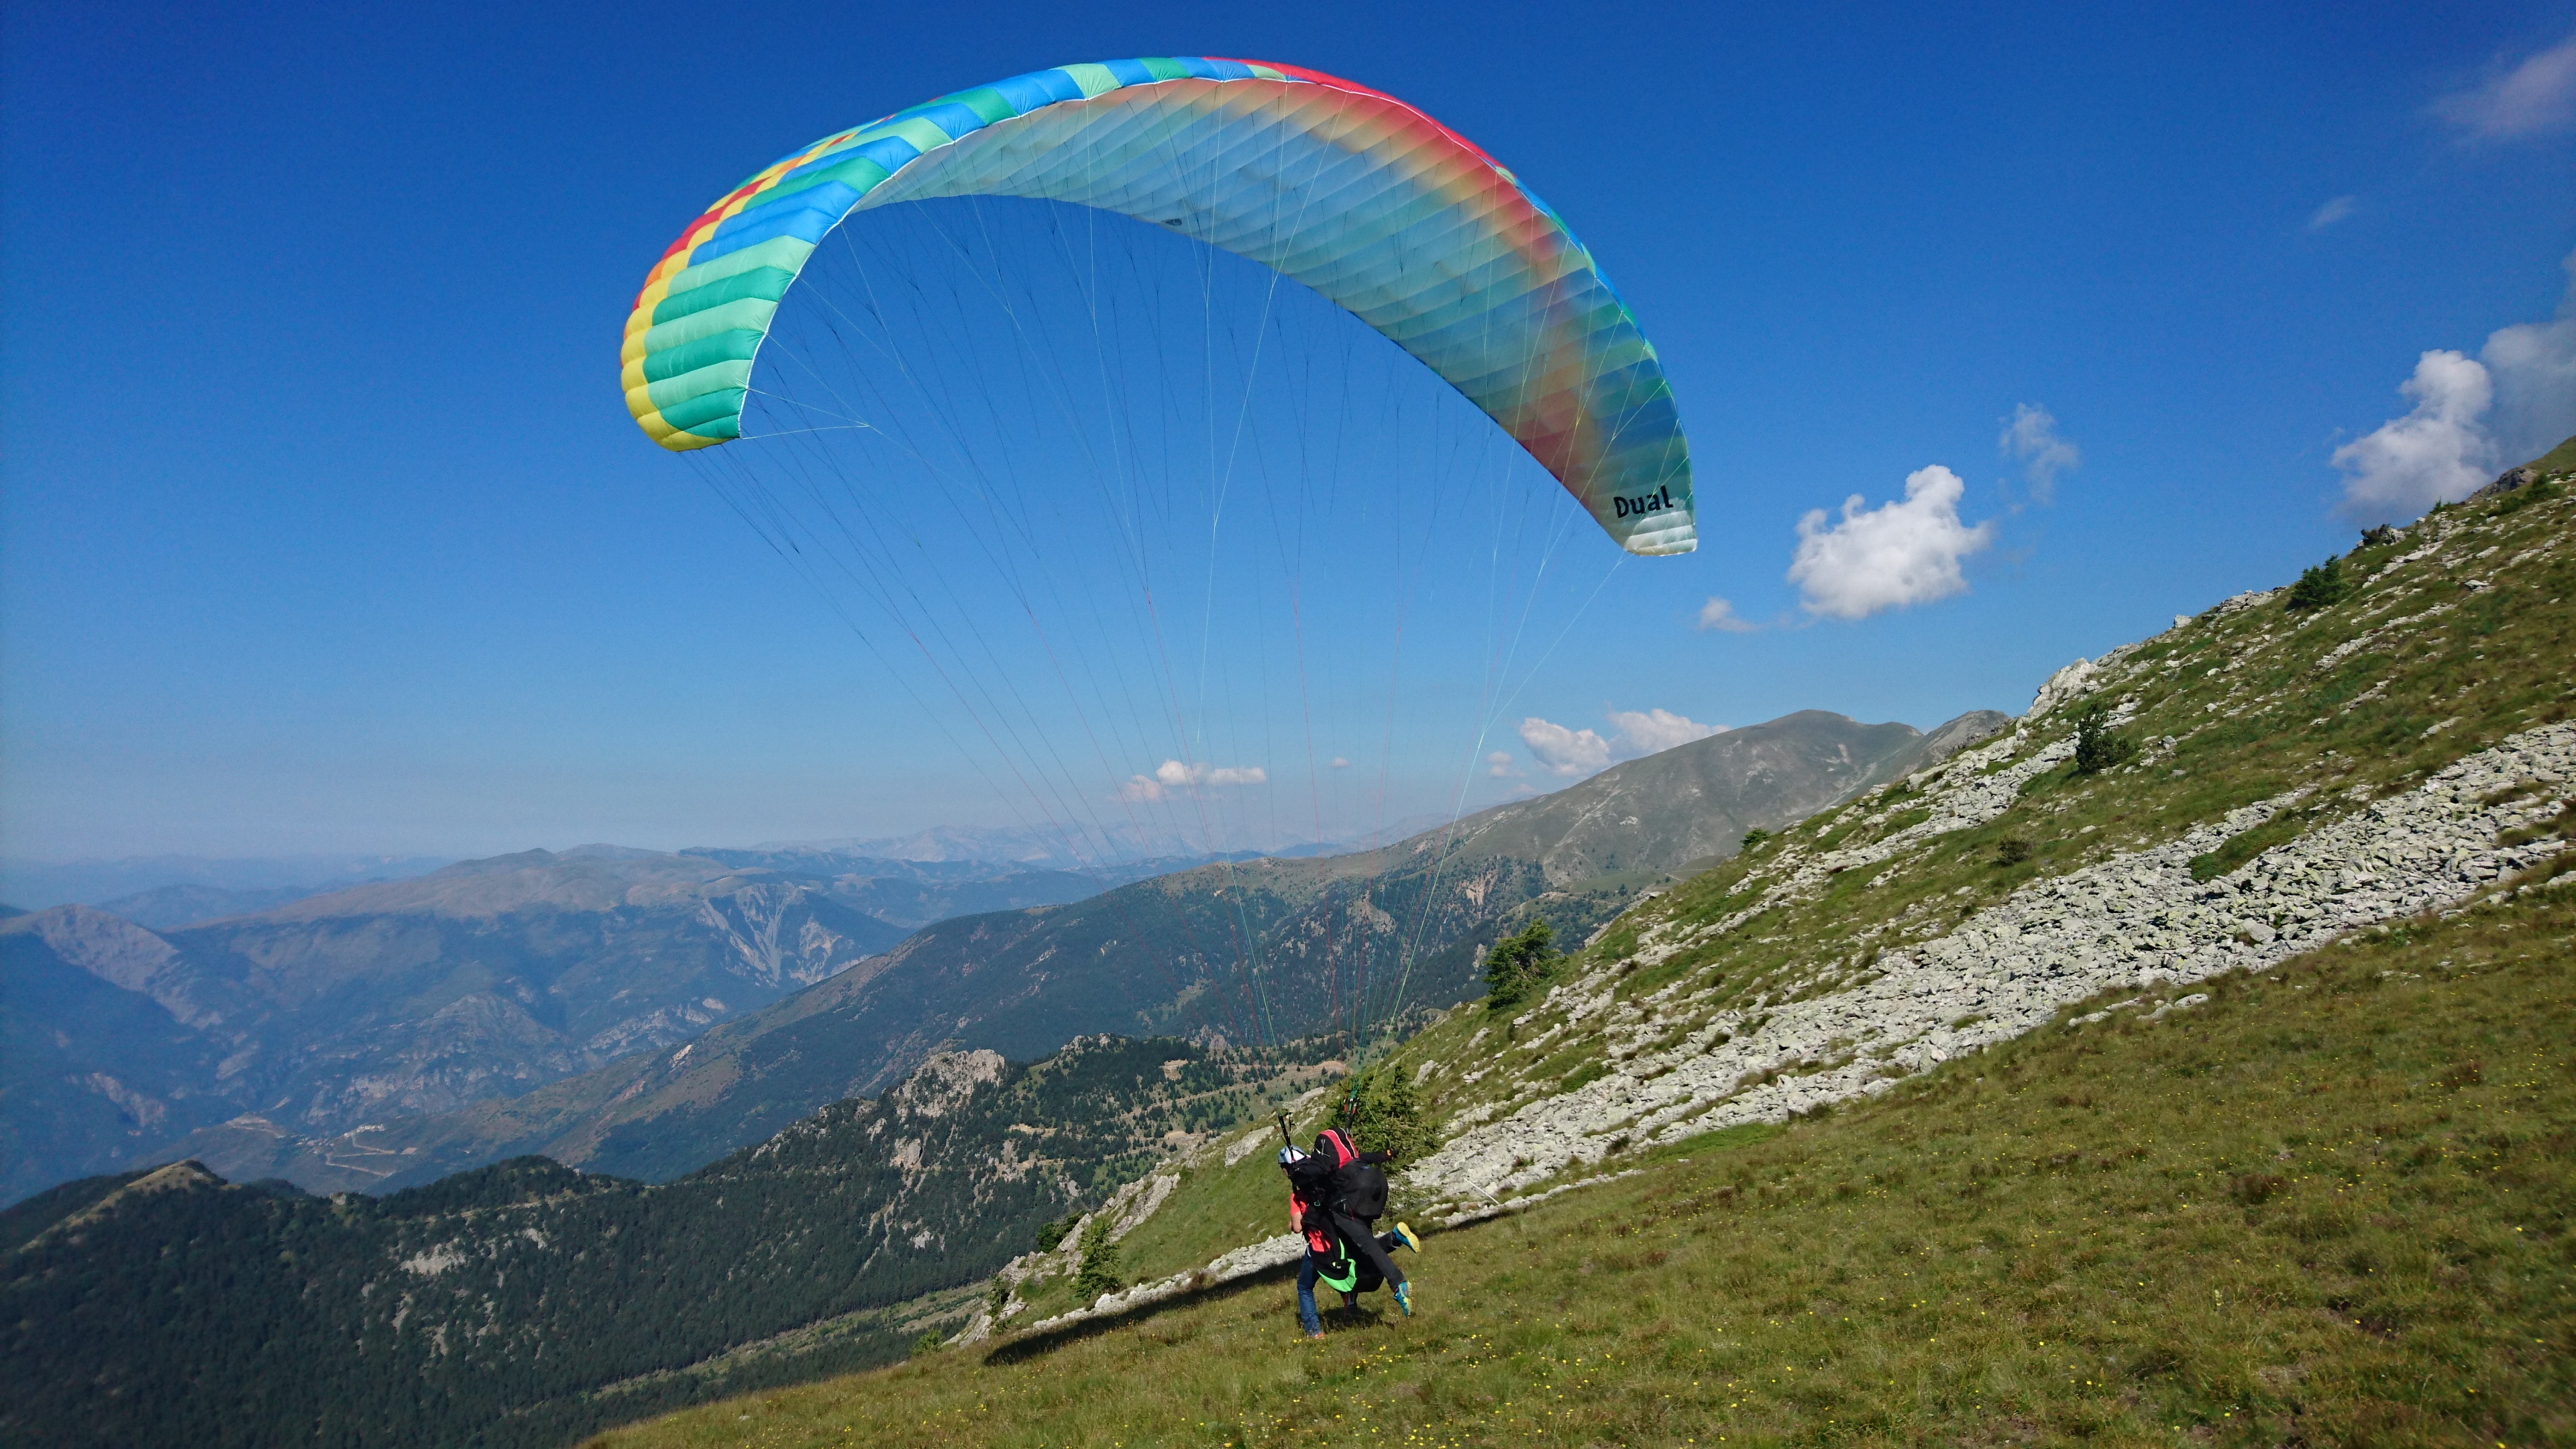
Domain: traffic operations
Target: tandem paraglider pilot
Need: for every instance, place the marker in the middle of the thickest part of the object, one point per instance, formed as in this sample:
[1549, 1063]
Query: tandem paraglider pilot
[1335, 1195]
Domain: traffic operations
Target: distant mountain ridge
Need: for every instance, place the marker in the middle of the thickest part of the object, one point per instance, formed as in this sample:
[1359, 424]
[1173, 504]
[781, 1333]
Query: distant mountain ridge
[35, 885]
[1229, 950]
[262, 1017]
[419, 995]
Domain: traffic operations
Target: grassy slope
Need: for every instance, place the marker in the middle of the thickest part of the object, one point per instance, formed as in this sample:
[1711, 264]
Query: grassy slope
[2330, 1206]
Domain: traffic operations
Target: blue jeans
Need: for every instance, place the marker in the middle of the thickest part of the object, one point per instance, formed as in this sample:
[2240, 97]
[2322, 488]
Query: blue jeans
[1309, 1267]
[1306, 1315]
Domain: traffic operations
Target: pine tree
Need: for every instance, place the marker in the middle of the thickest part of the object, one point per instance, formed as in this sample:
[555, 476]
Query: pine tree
[1519, 962]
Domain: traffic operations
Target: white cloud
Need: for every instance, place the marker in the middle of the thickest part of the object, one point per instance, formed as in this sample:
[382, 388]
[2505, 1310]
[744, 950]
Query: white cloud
[1571, 752]
[1718, 614]
[2537, 95]
[2435, 453]
[1171, 776]
[2534, 367]
[2333, 211]
[1654, 731]
[2470, 418]
[2030, 435]
[1562, 751]
[1338, 763]
[1901, 553]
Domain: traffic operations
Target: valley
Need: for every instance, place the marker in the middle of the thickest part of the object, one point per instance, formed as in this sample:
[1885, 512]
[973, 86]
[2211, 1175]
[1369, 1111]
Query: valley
[237, 1039]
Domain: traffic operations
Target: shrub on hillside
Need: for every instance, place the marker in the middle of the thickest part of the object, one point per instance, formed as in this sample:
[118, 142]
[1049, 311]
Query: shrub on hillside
[2320, 587]
[2524, 497]
[2096, 748]
[1519, 962]
[1099, 1271]
[1384, 1114]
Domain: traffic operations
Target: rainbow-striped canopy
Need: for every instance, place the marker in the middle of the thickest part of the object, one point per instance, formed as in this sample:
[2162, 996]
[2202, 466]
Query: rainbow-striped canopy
[1371, 203]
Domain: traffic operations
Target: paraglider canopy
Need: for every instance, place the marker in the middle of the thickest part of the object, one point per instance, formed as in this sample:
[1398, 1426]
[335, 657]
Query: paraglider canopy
[1348, 191]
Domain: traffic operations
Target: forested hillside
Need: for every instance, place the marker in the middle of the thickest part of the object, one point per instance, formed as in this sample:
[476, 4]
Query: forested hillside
[526, 1302]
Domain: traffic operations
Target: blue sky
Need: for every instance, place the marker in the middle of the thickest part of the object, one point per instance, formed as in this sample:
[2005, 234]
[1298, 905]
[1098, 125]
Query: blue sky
[324, 527]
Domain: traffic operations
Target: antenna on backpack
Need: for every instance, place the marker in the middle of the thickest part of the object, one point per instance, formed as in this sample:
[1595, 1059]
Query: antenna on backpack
[1283, 1131]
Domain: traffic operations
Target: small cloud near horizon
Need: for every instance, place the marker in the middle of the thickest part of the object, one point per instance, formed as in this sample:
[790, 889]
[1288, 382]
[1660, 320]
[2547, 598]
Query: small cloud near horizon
[1902, 553]
[2468, 418]
[2525, 99]
[2030, 437]
[1720, 615]
[1339, 763]
[2335, 210]
[1498, 765]
[1172, 776]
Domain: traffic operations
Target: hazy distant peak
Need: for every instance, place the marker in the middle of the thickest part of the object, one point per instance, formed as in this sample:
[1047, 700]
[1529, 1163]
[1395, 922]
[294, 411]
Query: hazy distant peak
[610, 852]
[588, 878]
[109, 947]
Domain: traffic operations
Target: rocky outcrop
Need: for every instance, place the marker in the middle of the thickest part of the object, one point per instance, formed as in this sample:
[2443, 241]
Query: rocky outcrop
[2135, 921]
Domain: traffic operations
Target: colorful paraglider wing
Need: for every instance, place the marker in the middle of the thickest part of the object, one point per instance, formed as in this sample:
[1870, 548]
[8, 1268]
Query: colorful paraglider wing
[1372, 204]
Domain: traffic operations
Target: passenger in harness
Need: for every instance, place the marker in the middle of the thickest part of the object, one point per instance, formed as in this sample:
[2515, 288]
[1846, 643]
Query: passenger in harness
[1335, 1196]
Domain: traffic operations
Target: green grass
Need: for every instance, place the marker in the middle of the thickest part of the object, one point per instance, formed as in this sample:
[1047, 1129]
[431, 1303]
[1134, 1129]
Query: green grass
[1216, 1204]
[2330, 1206]
[2244, 845]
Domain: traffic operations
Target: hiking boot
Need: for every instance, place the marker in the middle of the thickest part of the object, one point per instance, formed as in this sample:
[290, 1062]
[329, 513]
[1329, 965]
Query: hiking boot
[1405, 1236]
[1404, 1298]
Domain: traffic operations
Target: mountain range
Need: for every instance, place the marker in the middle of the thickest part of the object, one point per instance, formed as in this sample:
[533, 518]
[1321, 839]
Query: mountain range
[419, 996]
[231, 885]
[1241, 952]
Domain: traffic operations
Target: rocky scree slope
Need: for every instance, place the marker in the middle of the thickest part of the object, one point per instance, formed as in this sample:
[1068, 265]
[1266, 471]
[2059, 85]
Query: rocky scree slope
[2290, 777]
[2297, 775]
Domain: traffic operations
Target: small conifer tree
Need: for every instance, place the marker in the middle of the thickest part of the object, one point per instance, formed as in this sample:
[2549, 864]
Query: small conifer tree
[2096, 748]
[1099, 1271]
[2321, 587]
[1519, 962]
[1051, 1233]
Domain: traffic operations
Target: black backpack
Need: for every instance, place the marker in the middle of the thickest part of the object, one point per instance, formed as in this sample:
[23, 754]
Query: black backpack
[1358, 1189]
